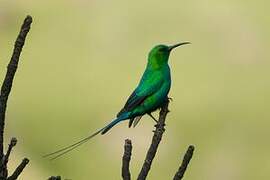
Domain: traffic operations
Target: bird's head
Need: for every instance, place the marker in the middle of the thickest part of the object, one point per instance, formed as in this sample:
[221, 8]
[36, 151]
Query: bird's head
[159, 55]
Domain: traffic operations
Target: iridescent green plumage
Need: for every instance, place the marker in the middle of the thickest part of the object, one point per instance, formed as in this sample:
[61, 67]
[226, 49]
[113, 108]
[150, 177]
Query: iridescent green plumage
[149, 95]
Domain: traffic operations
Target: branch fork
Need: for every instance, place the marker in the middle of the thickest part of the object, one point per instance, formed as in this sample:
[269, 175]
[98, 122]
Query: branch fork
[158, 132]
[4, 94]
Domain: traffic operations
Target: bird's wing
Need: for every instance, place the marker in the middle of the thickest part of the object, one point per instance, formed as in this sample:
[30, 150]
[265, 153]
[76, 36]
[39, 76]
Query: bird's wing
[146, 88]
[133, 101]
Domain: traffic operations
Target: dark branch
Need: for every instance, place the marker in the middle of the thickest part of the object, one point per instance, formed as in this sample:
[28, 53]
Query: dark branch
[18, 170]
[126, 160]
[12, 143]
[182, 169]
[55, 178]
[155, 142]
[3, 165]
[11, 70]
[4, 94]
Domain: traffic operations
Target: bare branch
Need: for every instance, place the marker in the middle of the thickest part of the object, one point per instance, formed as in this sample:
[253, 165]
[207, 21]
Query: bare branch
[4, 94]
[12, 143]
[11, 70]
[182, 169]
[155, 142]
[18, 170]
[55, 178]
[126, 160]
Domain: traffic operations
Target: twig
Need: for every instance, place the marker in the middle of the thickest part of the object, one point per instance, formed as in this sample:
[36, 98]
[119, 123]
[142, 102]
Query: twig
[3, 164]
[12, 143]
[18, 170]
[55, 178]
[126, 160]
[182, 169]
[11, 70]
[155, 142]
[4, 94]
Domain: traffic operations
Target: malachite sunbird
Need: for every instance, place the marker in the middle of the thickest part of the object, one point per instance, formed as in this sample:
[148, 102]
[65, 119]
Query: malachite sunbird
[148, 96]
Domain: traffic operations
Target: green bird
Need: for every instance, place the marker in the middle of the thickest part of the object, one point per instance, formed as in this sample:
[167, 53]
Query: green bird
[149, 95]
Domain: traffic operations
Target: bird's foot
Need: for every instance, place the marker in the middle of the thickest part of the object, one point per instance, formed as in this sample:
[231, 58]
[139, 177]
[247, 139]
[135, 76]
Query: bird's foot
[153, 117]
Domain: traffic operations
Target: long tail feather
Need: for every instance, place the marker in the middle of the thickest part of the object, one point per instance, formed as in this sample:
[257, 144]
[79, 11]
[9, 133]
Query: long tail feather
[61, 152]
[66, 149]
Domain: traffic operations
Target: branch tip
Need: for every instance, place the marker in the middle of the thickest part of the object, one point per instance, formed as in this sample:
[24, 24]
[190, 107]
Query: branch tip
[126, 160]
[183, 167]
[19, 169]
[13, 141]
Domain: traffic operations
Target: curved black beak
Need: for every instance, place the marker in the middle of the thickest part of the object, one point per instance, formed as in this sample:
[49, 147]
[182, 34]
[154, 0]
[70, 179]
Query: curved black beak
[176, 45]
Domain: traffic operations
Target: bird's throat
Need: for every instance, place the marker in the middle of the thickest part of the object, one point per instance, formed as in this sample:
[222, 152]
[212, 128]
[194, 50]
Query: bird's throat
[157, 63]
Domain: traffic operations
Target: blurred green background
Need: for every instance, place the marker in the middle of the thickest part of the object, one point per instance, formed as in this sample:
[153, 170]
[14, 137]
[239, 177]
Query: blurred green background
[83, 58]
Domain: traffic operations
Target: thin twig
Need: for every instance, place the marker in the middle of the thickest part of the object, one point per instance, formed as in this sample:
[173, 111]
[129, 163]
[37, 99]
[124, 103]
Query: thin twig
[11, 70]
[12, 143]
[155, 142]
[182, 169]
[126, 160]
[55, 178]
[3, 164]
[18, 170]
[5, 91]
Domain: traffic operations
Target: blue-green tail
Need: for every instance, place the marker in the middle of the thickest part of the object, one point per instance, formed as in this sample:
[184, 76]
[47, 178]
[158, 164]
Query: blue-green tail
[60, 152]
[114, 122]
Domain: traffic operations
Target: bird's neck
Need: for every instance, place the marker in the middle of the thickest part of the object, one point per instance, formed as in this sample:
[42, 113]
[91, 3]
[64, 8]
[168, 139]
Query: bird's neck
[156, 63]
[157, 66]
